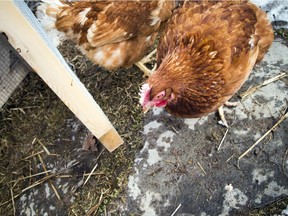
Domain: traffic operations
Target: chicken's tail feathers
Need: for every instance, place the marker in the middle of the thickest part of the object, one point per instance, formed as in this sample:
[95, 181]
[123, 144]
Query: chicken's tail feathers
[46, 13]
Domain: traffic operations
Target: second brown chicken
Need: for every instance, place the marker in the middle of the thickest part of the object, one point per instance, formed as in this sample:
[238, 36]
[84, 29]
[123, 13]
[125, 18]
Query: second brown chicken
[205, 54]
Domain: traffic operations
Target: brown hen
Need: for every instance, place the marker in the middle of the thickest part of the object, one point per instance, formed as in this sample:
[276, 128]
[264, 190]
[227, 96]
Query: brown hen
[205, 54]
[112, 34]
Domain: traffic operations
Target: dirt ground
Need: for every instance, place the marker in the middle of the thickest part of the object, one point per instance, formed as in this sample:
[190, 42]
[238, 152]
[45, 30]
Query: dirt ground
[35, 117]
[38, 133]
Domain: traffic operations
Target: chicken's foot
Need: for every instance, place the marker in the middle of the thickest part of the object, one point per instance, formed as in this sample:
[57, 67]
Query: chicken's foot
[147, 59]
[222, 115]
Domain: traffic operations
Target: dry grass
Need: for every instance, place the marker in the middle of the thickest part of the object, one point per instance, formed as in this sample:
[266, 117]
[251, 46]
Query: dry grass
[35, 111]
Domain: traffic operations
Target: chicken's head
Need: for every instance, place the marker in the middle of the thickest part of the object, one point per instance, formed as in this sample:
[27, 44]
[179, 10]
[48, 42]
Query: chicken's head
[157, 99]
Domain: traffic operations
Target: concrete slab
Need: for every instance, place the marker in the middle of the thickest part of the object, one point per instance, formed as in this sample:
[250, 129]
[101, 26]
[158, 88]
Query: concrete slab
[181, 165]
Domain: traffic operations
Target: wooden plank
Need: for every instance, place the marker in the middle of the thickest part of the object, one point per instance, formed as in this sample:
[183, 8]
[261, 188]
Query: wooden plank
[24, 33]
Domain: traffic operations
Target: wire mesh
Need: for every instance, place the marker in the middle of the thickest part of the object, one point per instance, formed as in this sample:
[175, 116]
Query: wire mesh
[13, 69]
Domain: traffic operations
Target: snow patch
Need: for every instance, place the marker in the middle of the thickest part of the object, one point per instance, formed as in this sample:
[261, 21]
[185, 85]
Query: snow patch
[233, 198]
[275, 190]
[165, 139]
[151, 126]
[242, 132]
[133, 188]
[47, 190]
[191, 122]
[276, 10]
[149, 198]
[285, 211]
[261, 175]
[157, 110]
[258, 199]
[153, 157]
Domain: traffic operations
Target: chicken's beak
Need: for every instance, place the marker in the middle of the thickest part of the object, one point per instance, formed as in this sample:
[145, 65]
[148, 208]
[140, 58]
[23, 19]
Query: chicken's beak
[146, 109]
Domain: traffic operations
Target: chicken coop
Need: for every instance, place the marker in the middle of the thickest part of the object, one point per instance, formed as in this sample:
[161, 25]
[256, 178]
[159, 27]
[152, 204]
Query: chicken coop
[25, 47]
[13, 69]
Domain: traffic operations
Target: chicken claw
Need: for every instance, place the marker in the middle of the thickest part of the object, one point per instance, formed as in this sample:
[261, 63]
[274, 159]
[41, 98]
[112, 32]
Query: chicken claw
[222, 115]
[147, 59]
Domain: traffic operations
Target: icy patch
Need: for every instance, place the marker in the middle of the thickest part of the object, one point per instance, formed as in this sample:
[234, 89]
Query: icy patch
[30, 211]
[276, 10]
[157, 111]
[52, 208]
[258, 199]
[146, 145]
[285, 211]
[153, 157]
[23, 198]
[233, 198]
[191, 122]
[241, 132]
[261, 175]
[149, 198]
[151, 126]
[165, 139]
[275, 53]
[47, 190]
[133, 188]
[167, 203]
[275, 190]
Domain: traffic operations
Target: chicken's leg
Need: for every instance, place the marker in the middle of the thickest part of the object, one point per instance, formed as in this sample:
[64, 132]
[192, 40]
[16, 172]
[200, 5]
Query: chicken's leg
[147, 59]
[221, 112]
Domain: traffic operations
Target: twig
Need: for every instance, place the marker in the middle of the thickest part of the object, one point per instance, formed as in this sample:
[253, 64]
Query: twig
[55, 191]
[222, 140]
[40, 181]
[93, 168]
[253, 89]
[176, 210]
[175, 130]
[50, 182]
[12, 199]
[43, 165]
[44, 147]
[261, 138]
[37, 153]
[90, 174]
[230, 157]
[201, 168]
[30, 176]
[94, 208]
[73, 211]
[84, 175]
[47, 178]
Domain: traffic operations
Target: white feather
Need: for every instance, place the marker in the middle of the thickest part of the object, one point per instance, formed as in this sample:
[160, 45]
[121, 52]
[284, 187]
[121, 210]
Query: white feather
[48, 22]
[143, 91]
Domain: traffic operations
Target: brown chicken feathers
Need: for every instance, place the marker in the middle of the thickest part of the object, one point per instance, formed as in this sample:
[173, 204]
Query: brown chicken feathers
[112, 34]
[205, 54]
